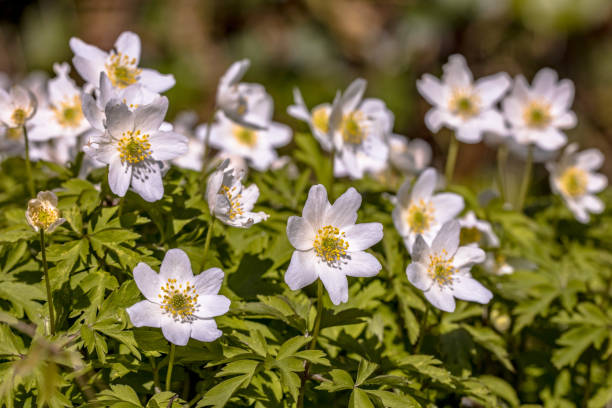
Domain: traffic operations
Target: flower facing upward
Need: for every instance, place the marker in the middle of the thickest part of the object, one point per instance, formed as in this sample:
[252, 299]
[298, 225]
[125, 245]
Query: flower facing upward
[442, 270]
[182, 304]
[42, 212]
[329, 245]
[537, 113]
[16, 106]
[419, 212]
[120, 64]
[459, 103]
[229, 201]
[574, 178]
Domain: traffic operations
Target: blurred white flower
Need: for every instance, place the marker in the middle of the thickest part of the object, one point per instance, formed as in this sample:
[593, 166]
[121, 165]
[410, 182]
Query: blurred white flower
[477, 232]
[329, 245]
[574, 178]
[419, 212]
[181, 304]
[317, 119]
[120, 64]
[42, 212]
[459, 103]
[358, 129]
[133, 146]
[442, 270]
[229, 201]
[537, 113]
[410, 157]
[16, 106]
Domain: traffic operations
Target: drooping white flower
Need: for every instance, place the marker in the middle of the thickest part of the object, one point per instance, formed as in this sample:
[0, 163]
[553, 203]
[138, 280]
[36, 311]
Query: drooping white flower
[442, 270]
[329, 245]
[229, 201]
[477, 232]
[462, 104]
[537, 114]
[420, 212]
[358, 130]
[181, 304]
[246, 104]
[120, 64]
[133, 146]
[16, 106]
[317, 119]
[42, 212]
[575, 179]
[410, 157]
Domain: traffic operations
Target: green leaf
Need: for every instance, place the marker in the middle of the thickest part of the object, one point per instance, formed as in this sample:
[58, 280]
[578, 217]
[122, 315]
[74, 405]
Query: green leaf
[359, 399]
[365, 370]
[393, 400]
[220, 394]
[575, 341]
[119, 396]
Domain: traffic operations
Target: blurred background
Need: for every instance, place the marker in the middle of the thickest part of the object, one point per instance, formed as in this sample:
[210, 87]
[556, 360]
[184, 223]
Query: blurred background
[322, 45]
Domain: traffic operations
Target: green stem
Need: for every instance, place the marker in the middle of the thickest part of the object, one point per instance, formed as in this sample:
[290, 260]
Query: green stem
[502, 160]
[417, 346]
[47, 283]
[28, 164]
[155, 375]
[170, 364]
[121, 204]
[313, 343]
[526, 178]
[209, 236]
[330, 180]
[451, 159]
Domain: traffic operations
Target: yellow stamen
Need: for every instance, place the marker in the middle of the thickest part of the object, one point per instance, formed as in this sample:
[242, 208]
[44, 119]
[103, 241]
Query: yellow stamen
[352, 130]
[464, 102]
[470, 235]
[245, 136]
[19, 116]
[574, 181]
[69, 113]
[420, 216]
[234, 201]
[122, 70]
[320, 119]
[440, 268]
[43, 214]
[134, 147]
[329, 244]
[537, 114]
[178, 300]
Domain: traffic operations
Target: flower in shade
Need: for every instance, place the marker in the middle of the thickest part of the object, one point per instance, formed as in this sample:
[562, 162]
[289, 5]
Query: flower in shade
[245, 104]
[16, 106]
[462, 104]
[537, 114]
[329, 245]
[358, 129]
[317, 119]
[420, 212]
[134, 146]
[574, 178]
[477, 232]
[120, 64]
[410, 157]
[42, 212]
[229, 201]
[181, 304]
[442, 270]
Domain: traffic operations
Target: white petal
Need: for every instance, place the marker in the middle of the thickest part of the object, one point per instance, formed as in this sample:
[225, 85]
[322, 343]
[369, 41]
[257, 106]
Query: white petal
[425, 184]
[563, 96]
[492, 88]
[147, 181]
[447, 238]
[335, 283]
[299, 110]
[168, 145]
[316, 206]
[578, 210]
[363, 236]
[211, 306]
[434, 119]
[278, 134]
[205, 330]
[176, 265]
[403, 194]
[361, 264]
[513, 110]
[119, 176]
[92, 112]
[566, 120]
[344, 210]
[302, 271]
[470, 132]
[300, 233]
[592, 203]
[128, 43]
[456, 72]
[551, 139]
[467, 288]
[596, 182]
[418, 276]
[544, 83]
[148, 281]
[446, 206]
[90, 52]
[419, 250]
[441, 298]
[431, 89]
[589, 159]
[145, 313]
[148, 118]
[119, 118]
[467, 256]
[353, 94]
[249, 197]
[208, 282]
[156, 81]
[175, 331]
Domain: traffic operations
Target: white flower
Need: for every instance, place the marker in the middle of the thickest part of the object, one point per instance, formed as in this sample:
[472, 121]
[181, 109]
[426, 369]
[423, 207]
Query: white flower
[317, 119]
[246, 104]
[410, 157]
[419, 212]
[442, 270]
[120, 64]
[459, 103]
[329, 245]
[537, 114]
[477, 232]
[133, 147]
[229, 201]
[574, 178]
[42, 212]
[182, 304]
[358, 129]
[16, 106]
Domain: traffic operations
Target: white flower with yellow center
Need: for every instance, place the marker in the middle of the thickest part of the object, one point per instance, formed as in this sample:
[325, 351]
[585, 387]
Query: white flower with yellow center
[459, 103]
[246, 104]
[317, 119]
[477, 232]
[442, 270]
[420, 212]
[229, 201]
[410, 157]
[134, 147]
[16, 106]
[358, 130]
[42, 212]
[181, 304]
[329, 245]
[574, 178]
[537, 114]
[120, 64]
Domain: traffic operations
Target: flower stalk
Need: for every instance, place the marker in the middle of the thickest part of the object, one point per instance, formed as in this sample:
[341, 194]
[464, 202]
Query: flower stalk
[526, 178]
[170, 366]
[47, 283]
[502, 160]
[208, 237]
[451, 159]
[28, 164]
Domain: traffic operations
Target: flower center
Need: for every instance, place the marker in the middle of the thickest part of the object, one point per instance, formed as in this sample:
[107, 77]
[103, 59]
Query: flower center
[537, 114]
[44, 215]
[19, 116]
[464, 102]
[574, 181]
[440, 268]
[234, 201]
[470, 235]
[329, 244]
[245, 136]
[134, 147]
[320, 119]
[353, 131]
[122, 70]
[177, 300]
[420, 216]
[69, 113]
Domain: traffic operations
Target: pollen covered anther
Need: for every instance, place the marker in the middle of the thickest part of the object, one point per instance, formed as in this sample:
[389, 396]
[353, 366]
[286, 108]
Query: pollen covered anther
[537, 114]
[69, 113]
[464, 102]
[234, 201]
[178, 300]
[420, 216]
[353, 132]
[134, 147]
[440, 268]
[574, 181]
[330, 244]
[122, 70]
